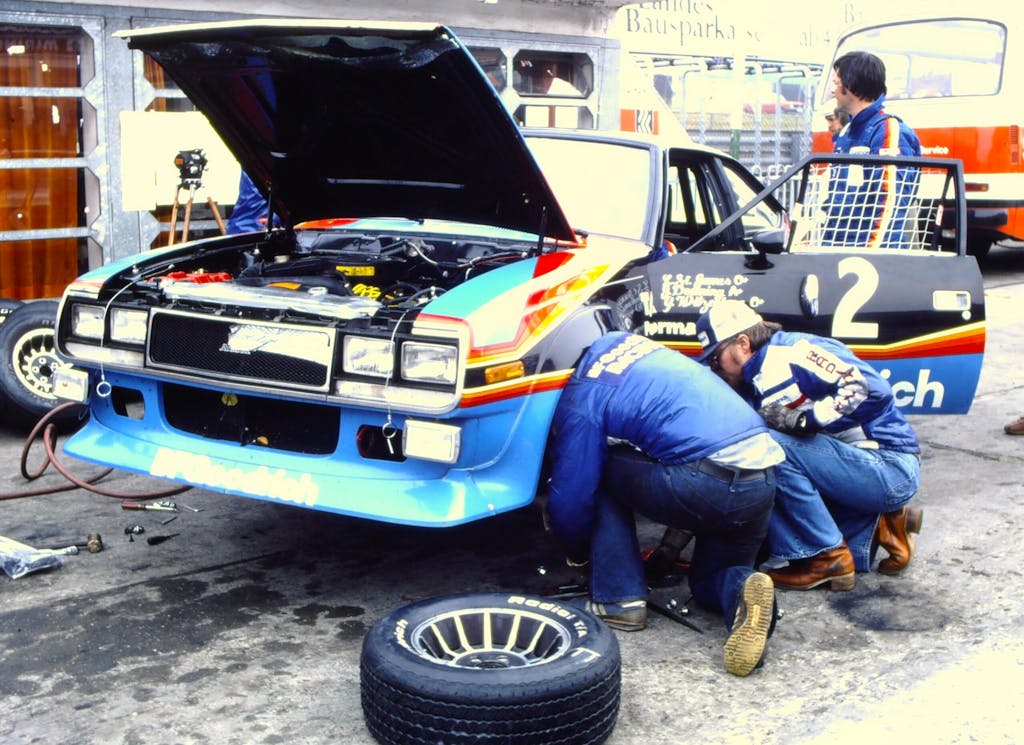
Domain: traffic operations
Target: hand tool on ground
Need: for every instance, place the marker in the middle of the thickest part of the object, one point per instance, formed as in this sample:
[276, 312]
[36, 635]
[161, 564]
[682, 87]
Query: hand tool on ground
[158, 539]
[93, 544]
[158, 506]
[65, 551]
[669, 608]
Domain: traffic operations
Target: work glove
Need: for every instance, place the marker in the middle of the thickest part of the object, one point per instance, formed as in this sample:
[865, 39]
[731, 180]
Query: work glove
[782, 419]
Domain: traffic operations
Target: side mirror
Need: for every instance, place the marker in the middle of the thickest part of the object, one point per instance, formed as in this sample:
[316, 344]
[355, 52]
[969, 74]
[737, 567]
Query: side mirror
[767, 242]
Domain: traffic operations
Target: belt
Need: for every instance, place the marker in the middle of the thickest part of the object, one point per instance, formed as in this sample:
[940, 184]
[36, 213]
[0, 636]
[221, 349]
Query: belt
[727, 474]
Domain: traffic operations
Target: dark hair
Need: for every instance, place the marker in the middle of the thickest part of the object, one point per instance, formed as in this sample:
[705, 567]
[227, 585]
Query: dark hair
[861, 73]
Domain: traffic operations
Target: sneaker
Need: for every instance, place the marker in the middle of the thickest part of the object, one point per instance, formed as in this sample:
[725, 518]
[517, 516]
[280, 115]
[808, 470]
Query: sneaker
[745, 647]
[629, 615]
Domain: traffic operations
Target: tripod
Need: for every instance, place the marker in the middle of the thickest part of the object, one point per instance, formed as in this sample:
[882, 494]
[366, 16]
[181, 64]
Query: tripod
[193, 185]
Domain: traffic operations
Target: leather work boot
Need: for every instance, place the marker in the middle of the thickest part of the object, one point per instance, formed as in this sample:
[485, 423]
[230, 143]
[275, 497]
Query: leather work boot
[835, 567]
[895, 534]
[1016, 427]
[755, 615]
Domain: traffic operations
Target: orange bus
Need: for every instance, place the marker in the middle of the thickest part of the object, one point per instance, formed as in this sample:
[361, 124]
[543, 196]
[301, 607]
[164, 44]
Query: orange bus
[957, 82]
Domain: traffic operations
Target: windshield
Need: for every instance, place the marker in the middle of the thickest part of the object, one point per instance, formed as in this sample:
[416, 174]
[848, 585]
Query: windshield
[603, 187]
[934, 58]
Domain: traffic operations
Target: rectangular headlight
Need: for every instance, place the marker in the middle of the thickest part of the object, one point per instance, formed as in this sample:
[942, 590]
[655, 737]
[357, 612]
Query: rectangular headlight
[70, 383]
[366, 356]
[429, 363]
[431, 441]
[128, 326]
[87, 321]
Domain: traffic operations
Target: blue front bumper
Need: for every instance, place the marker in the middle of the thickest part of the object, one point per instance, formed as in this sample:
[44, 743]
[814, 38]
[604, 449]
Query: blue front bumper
[497, 471]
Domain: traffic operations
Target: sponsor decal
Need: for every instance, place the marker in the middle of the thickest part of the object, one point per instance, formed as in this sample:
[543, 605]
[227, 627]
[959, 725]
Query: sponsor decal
[673, 329]
[248, 338]
[907, 393]
[356, 271]
[622, 356]
[829, 364]
[364, 290]
[261, 481]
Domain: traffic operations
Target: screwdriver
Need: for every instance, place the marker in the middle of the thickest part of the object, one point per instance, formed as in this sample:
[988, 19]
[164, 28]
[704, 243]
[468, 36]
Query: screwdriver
[143, 506]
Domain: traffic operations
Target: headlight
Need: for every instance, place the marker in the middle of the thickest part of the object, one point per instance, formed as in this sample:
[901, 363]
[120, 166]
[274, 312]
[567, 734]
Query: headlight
[429, 363]
[365, 356]
[432, 441]
[87, 321]
[128, 326]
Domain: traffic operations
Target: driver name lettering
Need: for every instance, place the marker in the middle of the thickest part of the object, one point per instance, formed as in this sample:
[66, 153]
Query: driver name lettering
[698, 291]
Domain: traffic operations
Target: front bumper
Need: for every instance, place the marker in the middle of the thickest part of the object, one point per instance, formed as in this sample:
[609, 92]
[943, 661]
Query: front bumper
[497, 470]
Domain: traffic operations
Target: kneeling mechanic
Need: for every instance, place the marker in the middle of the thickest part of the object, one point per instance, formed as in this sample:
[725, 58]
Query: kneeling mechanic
[852, 459]
[686, 452]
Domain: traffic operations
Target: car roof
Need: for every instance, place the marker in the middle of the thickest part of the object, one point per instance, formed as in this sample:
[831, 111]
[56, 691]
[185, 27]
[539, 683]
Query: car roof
[659, 142]
[358, 119]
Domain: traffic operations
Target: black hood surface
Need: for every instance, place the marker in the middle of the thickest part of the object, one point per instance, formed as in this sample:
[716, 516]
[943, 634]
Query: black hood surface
[336, 119]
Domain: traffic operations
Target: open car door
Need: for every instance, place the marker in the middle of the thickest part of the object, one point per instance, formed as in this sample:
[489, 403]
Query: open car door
[873, 255]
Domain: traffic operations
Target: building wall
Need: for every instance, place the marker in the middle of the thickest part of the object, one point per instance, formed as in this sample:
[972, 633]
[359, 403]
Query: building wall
[100, 179]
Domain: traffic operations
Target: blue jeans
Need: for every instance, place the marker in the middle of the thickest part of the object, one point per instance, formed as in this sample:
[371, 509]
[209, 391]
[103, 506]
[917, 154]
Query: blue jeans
[729, 517]
[829, 491]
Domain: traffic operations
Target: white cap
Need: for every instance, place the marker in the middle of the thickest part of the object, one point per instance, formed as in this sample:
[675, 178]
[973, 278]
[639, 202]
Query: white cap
[725, 319]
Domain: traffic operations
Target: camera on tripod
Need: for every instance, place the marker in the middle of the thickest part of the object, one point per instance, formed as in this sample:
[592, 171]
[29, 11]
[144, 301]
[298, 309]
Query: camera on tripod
[190, 165]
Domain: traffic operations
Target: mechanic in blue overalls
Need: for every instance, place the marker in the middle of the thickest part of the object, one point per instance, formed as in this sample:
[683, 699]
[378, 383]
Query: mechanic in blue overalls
[250, 211]
[852, 459]
[686, 452]
[870, 206]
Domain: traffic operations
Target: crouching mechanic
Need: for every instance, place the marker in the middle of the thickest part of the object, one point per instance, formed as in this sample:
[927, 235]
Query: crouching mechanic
[690, 454]
[852, 461]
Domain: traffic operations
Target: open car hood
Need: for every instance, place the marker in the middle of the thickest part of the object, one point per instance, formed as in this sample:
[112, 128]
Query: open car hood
[335, 119]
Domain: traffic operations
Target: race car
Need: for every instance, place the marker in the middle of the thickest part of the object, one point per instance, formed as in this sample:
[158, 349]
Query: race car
[394, 347]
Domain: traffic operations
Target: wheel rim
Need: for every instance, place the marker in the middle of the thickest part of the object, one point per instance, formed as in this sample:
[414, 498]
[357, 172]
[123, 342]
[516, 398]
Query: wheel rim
[35, 361]
[490, 638]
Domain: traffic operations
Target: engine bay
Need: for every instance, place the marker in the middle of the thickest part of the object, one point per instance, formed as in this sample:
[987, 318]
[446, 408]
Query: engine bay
[342, 276]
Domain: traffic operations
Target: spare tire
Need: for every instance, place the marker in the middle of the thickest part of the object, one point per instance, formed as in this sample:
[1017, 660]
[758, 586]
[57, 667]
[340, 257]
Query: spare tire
[8, 306]
[28, 358]
[490, 667]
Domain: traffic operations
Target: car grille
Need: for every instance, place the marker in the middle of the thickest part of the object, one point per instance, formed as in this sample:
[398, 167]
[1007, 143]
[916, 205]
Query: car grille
[234, 349]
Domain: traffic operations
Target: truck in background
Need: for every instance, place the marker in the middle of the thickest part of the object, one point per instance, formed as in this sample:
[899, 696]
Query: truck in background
[953, 81]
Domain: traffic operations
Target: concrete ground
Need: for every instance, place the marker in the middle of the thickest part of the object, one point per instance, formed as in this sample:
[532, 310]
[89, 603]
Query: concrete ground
[245, 626]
